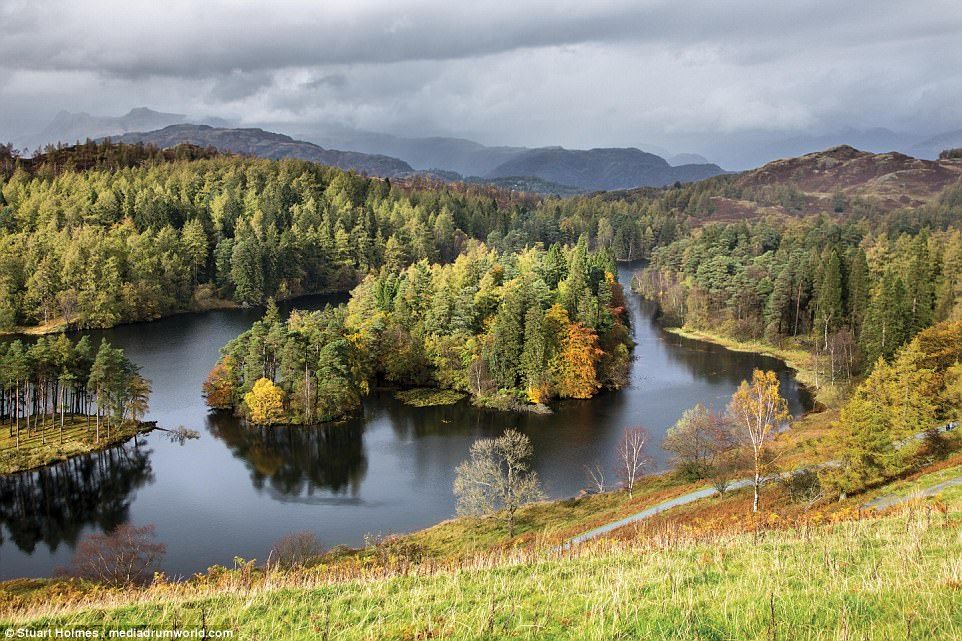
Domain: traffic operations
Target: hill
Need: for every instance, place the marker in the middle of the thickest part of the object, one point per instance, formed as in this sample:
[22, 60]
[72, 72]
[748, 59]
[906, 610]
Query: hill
[460, 155]
[69, 127]
[892, 176]
[601, 169]
[895, 577]
[839, 179]
[266, 144]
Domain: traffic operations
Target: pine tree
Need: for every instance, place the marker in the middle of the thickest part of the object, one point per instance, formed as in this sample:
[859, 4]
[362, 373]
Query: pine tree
[829, 309]
[533, 357]
[887, 321]
[858, 290]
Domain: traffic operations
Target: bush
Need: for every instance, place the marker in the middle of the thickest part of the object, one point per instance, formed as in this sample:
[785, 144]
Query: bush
[126, 556]
[296, 549]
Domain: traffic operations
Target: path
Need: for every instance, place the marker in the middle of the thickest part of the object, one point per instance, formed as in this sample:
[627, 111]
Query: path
[684, 499]
[888, 500]
[704, 493]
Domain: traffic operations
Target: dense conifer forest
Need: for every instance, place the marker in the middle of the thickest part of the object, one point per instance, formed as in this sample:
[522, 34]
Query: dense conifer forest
[136, 233]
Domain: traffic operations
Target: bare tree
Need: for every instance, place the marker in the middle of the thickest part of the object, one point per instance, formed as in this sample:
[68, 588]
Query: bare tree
[295, 549]
[595, 475]
[759, 411]
[701, 443]
[126, 556]
[497, 477]
[632, 457]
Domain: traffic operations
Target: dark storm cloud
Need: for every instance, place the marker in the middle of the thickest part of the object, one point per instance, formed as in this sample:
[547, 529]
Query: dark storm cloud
[199, 38]
[607, 72]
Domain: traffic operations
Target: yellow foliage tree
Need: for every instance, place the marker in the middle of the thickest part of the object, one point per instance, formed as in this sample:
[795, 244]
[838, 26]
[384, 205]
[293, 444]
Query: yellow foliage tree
[758, 411]
[265, 403]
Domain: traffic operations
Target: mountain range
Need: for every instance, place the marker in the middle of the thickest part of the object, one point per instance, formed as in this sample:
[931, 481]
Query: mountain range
[601, 169]
[546, 169]
[266, 144]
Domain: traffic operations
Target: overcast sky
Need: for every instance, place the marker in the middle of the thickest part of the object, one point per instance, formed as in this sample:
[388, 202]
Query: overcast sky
[580, 74]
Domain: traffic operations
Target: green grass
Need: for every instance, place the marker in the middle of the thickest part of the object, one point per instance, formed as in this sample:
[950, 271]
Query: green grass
[428, 396]
[545, 522]
[899, 577]
[907, 488]
[43, 446]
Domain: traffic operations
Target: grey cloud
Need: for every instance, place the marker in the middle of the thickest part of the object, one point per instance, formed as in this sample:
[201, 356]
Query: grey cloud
[691, 76]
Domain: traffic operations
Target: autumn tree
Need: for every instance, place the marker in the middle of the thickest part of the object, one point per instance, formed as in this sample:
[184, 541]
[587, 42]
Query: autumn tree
[576, 375]
[126, 556]
[702, 445]
[497, 477]
[220, 385]
[265, 403]
[758, 412]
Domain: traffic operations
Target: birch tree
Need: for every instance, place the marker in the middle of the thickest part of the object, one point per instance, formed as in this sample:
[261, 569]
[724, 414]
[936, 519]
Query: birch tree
[758, 410]
[632, 457]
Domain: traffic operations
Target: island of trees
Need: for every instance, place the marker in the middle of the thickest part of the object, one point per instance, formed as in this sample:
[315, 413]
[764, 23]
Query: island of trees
[59, 398]
[510, 329]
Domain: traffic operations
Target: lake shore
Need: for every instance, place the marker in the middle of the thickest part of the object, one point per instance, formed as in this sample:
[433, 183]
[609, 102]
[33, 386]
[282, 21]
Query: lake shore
[40, 448]
[200, 304]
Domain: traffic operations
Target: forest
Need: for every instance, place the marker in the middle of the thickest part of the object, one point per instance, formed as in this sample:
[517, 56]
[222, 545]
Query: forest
[44, 383]
[101, 233]
[510, 329]
[851, 291]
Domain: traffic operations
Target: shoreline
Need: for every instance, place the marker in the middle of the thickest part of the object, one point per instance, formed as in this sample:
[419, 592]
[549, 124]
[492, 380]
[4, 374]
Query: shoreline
[823, 397]
[61, 326]
[58, 454]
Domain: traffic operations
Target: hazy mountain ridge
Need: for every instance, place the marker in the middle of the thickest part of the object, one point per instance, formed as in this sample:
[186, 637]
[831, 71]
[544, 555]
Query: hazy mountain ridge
[601, 168]
[266, 144]
[69, 127]
[463, 156]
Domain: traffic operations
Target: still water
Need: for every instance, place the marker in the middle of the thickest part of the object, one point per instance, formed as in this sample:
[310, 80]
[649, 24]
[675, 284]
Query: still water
[236, 489]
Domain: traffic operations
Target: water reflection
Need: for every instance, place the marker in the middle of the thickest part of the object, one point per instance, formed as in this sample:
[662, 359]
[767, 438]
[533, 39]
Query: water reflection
[298, 461]
[55, 504]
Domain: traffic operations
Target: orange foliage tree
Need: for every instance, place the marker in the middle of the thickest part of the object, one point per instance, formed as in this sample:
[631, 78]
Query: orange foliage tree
[576, 374]
[220, 386]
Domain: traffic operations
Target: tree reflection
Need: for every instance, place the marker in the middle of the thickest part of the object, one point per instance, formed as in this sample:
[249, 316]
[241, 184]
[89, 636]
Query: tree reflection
[54, 504]
[300, 460]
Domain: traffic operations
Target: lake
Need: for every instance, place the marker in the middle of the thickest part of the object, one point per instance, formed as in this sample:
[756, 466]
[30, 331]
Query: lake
[236, 489]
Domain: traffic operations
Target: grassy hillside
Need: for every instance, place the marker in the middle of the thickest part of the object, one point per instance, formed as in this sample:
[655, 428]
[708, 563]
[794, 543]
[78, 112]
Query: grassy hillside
[896, 577]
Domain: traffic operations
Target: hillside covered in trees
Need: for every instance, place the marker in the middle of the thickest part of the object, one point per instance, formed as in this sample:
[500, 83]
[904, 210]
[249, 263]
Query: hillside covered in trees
[101, 234]
[508, 328]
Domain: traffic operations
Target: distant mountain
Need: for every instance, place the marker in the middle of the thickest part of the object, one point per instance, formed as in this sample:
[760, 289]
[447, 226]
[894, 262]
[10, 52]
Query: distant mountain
[687, 159]
[266, 144]
[931, 147]
[601, 169]
[466, 157]
[747, 150]
[829, 180]
[68, 127]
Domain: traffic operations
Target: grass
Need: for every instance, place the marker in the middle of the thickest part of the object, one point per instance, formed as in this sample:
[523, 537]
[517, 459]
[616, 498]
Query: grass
[428, 396]
[543, 523]
[40, 447]
[896, 577]
[916, 483]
